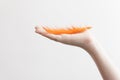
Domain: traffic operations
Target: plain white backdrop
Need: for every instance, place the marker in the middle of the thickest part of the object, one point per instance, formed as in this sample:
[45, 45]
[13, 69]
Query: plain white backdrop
[25, 55]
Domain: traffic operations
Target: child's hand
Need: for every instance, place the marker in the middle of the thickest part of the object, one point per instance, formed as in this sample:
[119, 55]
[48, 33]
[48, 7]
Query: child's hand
[80, 39]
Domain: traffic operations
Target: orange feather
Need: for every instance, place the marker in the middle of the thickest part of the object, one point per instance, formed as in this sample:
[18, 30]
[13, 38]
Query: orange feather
[70, 30]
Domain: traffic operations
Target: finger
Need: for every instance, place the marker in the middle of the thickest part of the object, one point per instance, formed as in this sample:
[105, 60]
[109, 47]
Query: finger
[42, 32]
[39, 30]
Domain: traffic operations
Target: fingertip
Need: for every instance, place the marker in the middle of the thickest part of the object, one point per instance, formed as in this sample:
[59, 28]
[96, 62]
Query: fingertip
[40, 30]
[36, 27]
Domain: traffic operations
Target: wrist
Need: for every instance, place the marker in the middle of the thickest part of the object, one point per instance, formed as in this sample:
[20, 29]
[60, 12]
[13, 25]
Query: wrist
[92, 46]
[88, 43]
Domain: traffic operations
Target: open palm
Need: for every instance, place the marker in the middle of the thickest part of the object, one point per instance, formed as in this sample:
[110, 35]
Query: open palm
[79, 39]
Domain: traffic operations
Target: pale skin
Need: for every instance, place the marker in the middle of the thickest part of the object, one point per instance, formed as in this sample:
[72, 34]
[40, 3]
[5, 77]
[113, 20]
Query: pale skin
[87, 42]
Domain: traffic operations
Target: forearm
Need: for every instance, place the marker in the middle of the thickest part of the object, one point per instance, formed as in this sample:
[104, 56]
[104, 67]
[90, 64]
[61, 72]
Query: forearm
[87, 42]
[105, 66]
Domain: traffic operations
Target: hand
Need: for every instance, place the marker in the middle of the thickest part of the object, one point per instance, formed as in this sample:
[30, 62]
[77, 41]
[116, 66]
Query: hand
[80, 39]
[87, 42]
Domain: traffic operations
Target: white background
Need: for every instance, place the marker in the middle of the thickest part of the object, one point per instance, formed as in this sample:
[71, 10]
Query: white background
[25, 55]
